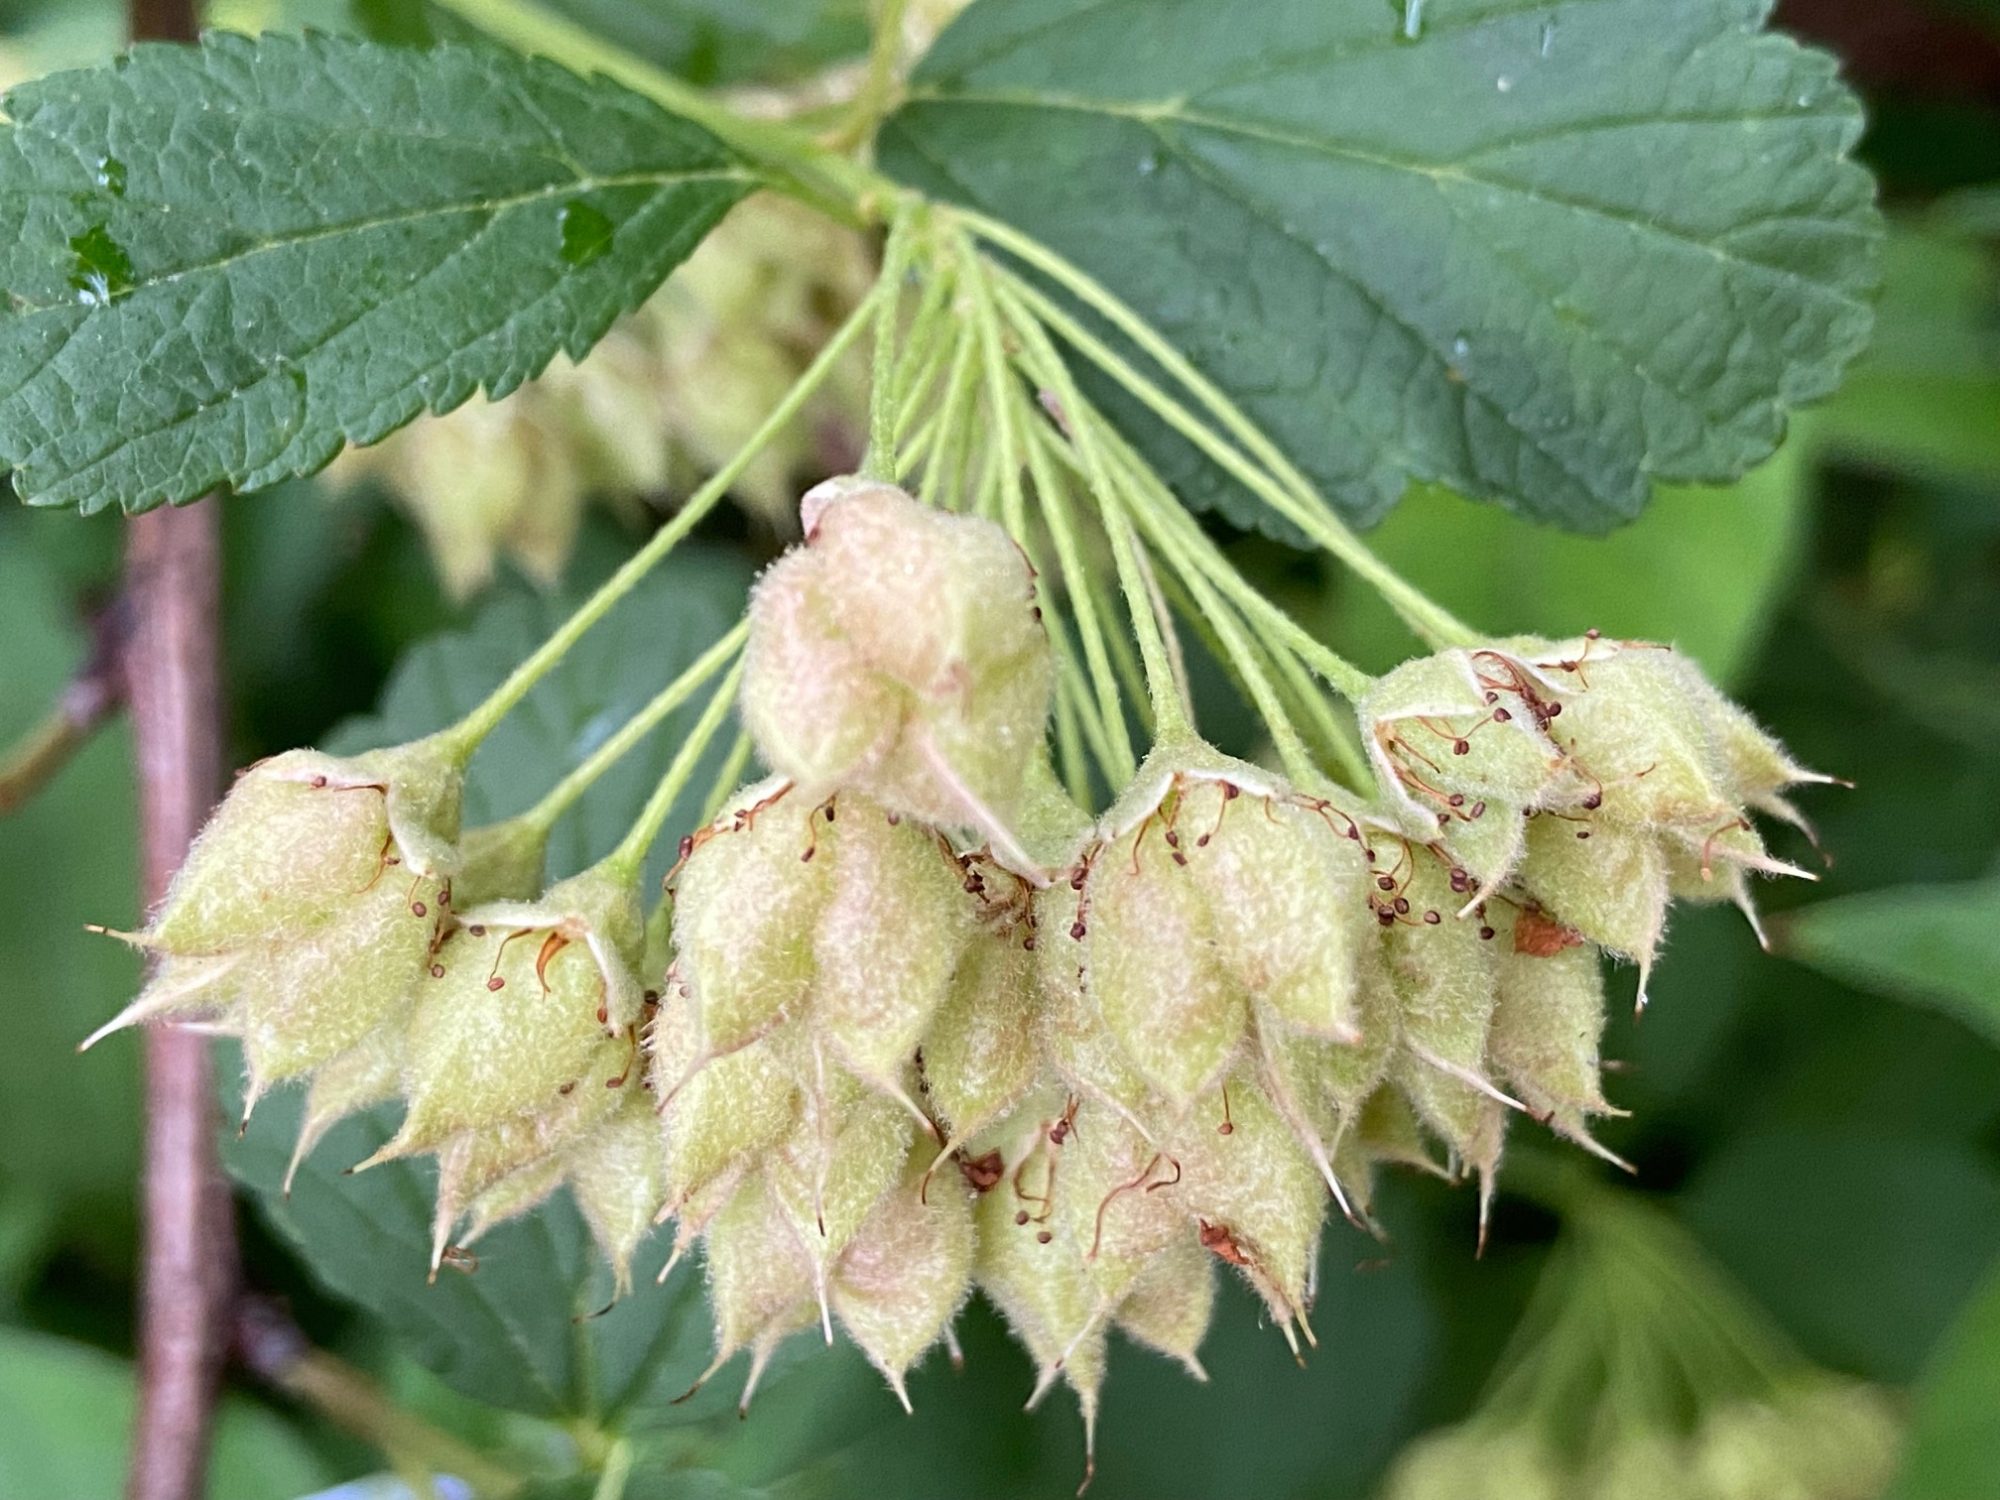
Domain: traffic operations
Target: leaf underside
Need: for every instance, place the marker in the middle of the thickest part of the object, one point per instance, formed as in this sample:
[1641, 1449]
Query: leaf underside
[1542, 254]
[226, 261]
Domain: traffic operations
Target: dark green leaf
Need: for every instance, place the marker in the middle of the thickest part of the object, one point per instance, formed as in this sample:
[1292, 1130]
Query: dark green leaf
[1864, 1245]
[65, 1410]
[1954, 1444]
[229, 260]
[1702, 569]
[1936, 945]
[725, 41]
[1544, 254]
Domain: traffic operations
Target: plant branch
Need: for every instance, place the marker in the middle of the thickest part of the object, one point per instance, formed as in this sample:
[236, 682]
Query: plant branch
[273, 1348]
[85, 703]
[172, 669]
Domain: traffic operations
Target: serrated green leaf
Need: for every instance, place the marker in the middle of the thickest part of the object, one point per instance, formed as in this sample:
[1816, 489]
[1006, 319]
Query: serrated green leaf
[65, 1409]
[229, 260]
[1954, 1444]
[1544, 254]
[1936, 945]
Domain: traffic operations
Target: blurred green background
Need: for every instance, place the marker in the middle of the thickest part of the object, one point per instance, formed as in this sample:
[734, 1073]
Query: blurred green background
[1824, 1124]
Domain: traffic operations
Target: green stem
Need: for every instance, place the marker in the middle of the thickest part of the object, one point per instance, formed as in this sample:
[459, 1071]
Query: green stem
[475, 726]
[1171, 719]
[633, 848]
[557, 801]
[878, 86]
[1294, 498]
[617, 1471]
[880, 461]
[796, 164]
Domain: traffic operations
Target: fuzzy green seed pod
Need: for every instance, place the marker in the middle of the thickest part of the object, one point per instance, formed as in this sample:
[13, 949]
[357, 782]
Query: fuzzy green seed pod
[1446, 977]
[1472, 1462]
[899, 654]
[979, 1052]
[837, 915]
[617, 1178]
[1605, 776]
[907, 1271]
[1219, 895]
[760, 1285]
[718, 1113]
[1543, 1043]
[528, 1003]
[746, 905]
[304, 913]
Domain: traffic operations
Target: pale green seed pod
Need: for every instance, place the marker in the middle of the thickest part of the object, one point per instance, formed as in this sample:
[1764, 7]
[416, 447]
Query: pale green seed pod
[718, 1114]
[616, 1175]
[1171, 1302]
[1445, 975]
[528, 1003]
[834, 1172]
[746, 905]
[888, 940]
[304, 913]
[979, 1052]
[760, 1285]
[907, 1271]
[1474, 1462]
[1257, 1200]
[1543, 1043]
[1606, 882]
[1219, 892]
[899, 654]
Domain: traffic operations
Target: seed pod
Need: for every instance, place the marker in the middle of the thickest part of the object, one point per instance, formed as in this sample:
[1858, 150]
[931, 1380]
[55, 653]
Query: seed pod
[721, 1113]
[979, 1054]
[615, 1174]
[887, 943]
[760, 1286]
[1219, 890]
[501, 862]
[899, 654]
[1446, 980]
[1476, 1462]
[367, 1074]
[1255, 1197]
[746, 905]
[834, 1171]
[1606, 882]
[304, 913]
[906, 1272]
[1171, 1302]
[1640, 756]
[537, 1001]
[1543, 1043]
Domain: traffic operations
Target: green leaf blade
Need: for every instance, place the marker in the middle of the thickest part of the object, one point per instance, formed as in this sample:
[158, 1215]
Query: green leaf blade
[1934, 945]
[238, 257]
[1542, 255]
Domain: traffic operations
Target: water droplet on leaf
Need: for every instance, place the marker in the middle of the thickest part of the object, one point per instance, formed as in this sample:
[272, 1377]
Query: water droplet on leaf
[1413, 19]
[586, 232]
[1548, 37]
[111, 175]
[1149, 164]
[1503, 83]
[102, 269]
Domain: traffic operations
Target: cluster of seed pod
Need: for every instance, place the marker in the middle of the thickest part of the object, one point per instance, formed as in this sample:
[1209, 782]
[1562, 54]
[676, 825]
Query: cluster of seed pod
[911, 1022]
[1822, 1440]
